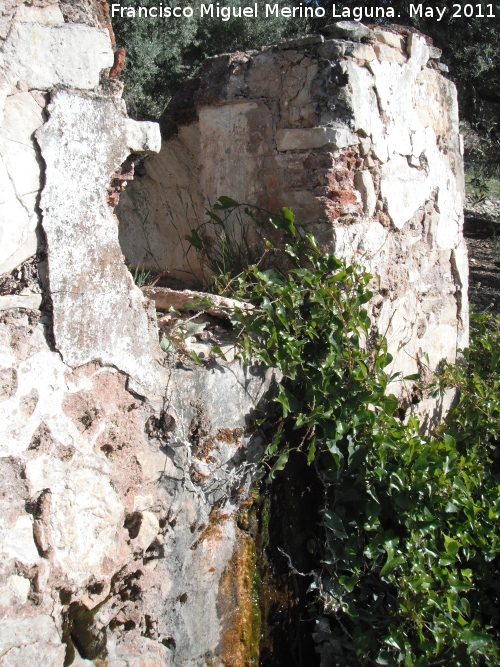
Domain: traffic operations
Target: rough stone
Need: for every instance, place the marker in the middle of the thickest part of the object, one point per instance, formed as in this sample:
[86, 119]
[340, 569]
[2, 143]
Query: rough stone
[332, 49]
[387, 52]
[28, 301]
[142, 137]
[30, 641]
[391, 39]
[435, 53]
[352, 30]
[91, 280]
[308, 40]
[316, 137]
[364, 183]
[58, 55]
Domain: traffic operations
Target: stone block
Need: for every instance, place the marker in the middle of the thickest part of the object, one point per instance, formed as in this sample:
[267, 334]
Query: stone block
[26, 301]
[301, 42]
[352, 30]
[386, 52]
[315, 137]
[332, 49]
[58, 55]
[417, 49]
[90, 280]
[364, 184]
[142, 136]
[435, 53]
[390, 38]
[49, 15]
[362, 52]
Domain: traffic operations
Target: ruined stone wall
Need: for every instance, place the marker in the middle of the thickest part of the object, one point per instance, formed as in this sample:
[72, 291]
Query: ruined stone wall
[357, 132]
[121, 472]
[124, 471]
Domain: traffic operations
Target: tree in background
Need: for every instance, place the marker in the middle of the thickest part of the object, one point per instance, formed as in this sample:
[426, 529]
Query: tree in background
[162, 52]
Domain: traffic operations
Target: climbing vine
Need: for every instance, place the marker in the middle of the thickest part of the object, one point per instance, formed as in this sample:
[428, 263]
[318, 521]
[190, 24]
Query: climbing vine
[408, 563]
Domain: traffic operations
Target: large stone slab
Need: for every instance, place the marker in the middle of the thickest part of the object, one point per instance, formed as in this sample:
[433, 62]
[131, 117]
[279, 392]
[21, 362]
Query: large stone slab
[98, 312]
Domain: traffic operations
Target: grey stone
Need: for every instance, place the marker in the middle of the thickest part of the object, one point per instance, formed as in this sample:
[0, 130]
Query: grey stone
[352, 30]
[315, 137]
[332, 49]
[308, 40]
[435, 53]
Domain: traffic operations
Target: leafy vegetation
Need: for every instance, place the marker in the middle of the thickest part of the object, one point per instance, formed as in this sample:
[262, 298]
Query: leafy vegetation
[408, 564]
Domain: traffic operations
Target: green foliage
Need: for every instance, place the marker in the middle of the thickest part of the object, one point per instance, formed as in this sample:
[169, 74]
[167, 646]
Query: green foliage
[141, 276]
[408, 564]
[482, 180]
[228, 241]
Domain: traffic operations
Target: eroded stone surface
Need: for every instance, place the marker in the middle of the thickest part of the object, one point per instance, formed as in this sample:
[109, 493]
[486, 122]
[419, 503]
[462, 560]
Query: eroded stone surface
[98, 312]
[123, 470]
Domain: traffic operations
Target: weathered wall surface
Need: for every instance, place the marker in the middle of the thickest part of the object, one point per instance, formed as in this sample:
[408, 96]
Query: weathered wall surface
[123, 473]
[357, 132]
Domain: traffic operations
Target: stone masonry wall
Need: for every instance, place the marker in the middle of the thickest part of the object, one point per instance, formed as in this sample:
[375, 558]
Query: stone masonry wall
[357, 132]
[124, 470]
[121, 470]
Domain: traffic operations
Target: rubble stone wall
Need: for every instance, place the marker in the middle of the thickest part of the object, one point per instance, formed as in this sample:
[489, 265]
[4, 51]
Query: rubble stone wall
[123, 470]
[357, 132]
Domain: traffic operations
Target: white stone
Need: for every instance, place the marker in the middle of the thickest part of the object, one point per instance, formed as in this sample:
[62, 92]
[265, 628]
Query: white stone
[142, 137]
[50, 15]
[390, 38]
[98, 312]
[363, 52]
[30, 641]
[148, 531]
[385, 52]
[22, 117]
[418, 49]
[404, 189]
[46, 56]
[28, 301]
[86, 522]
[17, 541]
[23, 252]
[364, 101]
[21, 586]
[20, 179]
[144, 502]
[315, 137]
[381, 150]
[363, 182]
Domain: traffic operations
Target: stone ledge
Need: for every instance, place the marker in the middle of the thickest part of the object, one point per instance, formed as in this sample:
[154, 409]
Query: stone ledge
[26, 301]
[314, 137]
[217, 306]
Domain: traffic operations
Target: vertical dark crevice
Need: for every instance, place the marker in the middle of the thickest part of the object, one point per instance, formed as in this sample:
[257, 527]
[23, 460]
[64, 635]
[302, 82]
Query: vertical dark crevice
[290, 528]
